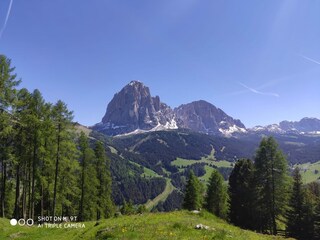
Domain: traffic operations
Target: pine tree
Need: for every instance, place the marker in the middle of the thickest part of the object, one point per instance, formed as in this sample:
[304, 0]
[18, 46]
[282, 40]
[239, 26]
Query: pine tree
[89, 181]
[241, 192]
[272, 185]
[23, 151]
[105, 207]
[295, 213]
[316, 226]
[127, 208]
[193, 194]
[8, 84]
[216, 200]
[36, 119]
[47, 166]
[62, 118]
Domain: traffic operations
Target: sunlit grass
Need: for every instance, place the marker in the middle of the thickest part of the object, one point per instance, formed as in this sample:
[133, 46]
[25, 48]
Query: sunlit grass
[173, 225]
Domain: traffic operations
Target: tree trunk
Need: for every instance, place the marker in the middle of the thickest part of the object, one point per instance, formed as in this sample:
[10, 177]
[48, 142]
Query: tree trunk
[16, 213]
[29, 188]
[273, 214]
[24, 193]
[82, 189]
[33, 176]
[42, 203]
[56, 172]
[3, 189]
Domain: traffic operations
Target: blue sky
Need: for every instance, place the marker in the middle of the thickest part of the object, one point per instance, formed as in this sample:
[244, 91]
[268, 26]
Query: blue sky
[259, 61]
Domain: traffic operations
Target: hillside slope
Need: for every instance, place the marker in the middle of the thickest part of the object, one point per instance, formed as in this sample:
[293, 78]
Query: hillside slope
[173, 225]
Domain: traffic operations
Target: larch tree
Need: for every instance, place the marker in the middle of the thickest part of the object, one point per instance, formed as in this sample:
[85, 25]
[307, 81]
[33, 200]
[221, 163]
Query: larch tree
[216, 200]
[62, 118]
[193, 193]
[105, 206]
[8, 84]
[89, 181]
[295, 212]
[241, 193]
[272, 184]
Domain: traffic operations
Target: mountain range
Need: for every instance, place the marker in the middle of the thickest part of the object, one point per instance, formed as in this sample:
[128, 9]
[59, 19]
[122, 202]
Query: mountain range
[134, 110]
[152, 147]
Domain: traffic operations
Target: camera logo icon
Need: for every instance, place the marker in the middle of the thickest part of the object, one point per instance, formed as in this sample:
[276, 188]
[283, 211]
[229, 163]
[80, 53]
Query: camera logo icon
[22, 222]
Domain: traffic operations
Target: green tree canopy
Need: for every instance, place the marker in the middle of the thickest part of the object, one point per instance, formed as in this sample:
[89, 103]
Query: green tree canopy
[216, 200]
[241, 192]
[272, 185]
[193, 193]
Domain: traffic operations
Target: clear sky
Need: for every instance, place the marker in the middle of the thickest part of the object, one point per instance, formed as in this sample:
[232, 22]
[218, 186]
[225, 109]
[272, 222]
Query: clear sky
[259, 61]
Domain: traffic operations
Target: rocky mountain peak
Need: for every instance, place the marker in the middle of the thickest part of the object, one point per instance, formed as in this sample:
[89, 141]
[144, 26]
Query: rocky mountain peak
[304, 125]
[202, 116]
[133, 108]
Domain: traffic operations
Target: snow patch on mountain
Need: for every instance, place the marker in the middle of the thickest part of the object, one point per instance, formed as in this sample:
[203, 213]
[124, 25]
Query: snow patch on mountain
[231, 130]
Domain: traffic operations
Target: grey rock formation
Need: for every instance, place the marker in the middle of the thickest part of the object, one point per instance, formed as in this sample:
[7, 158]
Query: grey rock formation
[133, 108]
[304, 126]
[201, 116]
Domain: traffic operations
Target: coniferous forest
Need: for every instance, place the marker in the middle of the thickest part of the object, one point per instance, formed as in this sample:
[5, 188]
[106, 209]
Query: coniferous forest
[261, 196]
[48, 168]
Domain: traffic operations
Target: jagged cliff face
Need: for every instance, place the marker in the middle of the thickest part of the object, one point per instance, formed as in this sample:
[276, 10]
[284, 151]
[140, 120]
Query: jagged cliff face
[304, 125]
[133, 108]
[201, 116]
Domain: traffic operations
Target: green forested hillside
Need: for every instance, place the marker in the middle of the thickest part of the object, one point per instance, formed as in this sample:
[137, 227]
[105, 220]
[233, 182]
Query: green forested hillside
[172, 154]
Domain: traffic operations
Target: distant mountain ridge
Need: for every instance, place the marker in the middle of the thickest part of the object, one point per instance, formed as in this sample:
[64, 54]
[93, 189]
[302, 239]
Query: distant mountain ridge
[134, 110]
[305, 126]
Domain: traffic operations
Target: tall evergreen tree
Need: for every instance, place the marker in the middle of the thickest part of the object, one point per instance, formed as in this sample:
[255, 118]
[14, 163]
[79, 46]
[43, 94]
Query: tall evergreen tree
[316, 226]
[22, 151]
[272, 185]
[62, 118]
[241, 192]
[105, 206]
[295, 213]
[193, 195]
[47, 163]
[89, 181]
[8, 84]
[84, 145]
[36, 132]
[216, 200]
[308, 222]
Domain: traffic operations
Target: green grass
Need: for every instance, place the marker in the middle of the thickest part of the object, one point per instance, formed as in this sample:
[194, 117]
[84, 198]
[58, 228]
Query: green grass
[149, 173]
[309, 171]
[113, 150]
[161, 197]
[209, 161]
[183, 163]
[208, 173]
[85, 130]
[174, 225]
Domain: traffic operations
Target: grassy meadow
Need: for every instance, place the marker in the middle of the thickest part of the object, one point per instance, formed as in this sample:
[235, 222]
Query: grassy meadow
[173, 225]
